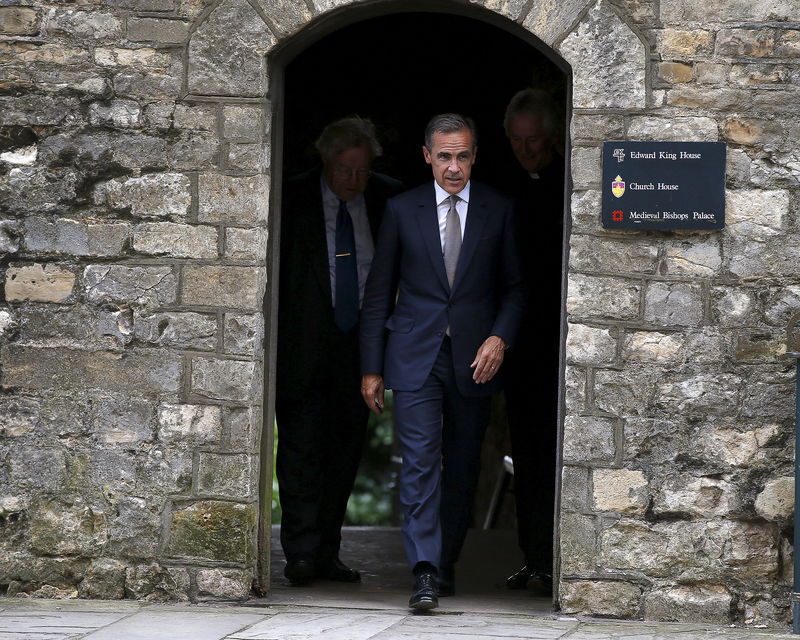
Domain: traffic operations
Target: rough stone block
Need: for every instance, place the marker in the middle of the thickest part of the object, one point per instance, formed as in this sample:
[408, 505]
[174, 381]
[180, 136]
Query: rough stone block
[108, 239]
[19, 21]
[759, 74]
[246, 244]
[144, 286]
[59, 236]
[693, 257]
[93, 24]
[121, 114]
[53, 368]
[574, 488]
[244, 333]
[134, 529]
[227, 475]
[123, 420]
[769, 395]
[585, 209]
[139, 57]
[707, 347]
[219, 65]
[733, 306]
[651, 441]
[755, 214]
[586, 166]
[715, 393]
[243, 123]
[704, 497]
[226, 379]
[653, 346]
[38, 469]
[39, 283]
[710, 73]
[760, 346]
[601, 598]
[198, 117]
[620, 490]
[602, 297]
[243, 426]
[705, 550]
[224, 584]
[589, 439]
[58, 528]
[682, 11]
[747, 43]
[189, 423]
[673, 303]
[578, 541]
[18, 416]
[243, 200]
[156, 583]
[732, 447]
[608, 61]
[8, 323]
[591, 345]
[780, 304]
[692, 96]
[678, 129]
[674, 72]
[708, 603]
[593, 127]
[160, 30]
[612, 255]
[175, 240]
[233, 287]
[683, 42]
[247, 157]
[575, 388]
[213, 530]
[104, 580]
[156, 195]
[626, 392]
[9, 236]
[149, 85]
[184, 330]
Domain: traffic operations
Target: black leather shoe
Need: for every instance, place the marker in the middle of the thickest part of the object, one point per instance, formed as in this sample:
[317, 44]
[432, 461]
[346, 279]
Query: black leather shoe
[300, 571]
[447, 582]
[519, 580]
[425, 594]
[338, 572]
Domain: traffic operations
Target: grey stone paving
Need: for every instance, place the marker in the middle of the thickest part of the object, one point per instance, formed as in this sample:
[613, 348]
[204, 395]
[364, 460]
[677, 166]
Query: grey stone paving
[113, 620]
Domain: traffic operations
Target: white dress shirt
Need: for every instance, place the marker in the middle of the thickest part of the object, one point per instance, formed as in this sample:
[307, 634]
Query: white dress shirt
[443, 206]
[365, 249]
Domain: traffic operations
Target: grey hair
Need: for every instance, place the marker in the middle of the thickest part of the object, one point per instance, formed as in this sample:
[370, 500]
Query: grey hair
[450, 123]
[347, 133]
[534, 102]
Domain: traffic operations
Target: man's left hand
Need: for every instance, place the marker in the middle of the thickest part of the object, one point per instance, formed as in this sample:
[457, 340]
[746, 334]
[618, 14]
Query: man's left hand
[488, 359]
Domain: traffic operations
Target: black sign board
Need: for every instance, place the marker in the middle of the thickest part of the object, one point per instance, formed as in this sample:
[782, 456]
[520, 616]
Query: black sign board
[663, 185]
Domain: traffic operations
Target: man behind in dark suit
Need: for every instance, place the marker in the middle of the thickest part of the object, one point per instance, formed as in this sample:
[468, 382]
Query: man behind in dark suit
[443, 302]
[536, 182]
[329, 219]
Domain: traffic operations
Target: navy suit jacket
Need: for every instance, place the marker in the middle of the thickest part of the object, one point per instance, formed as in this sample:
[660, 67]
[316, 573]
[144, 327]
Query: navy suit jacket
[408, 303]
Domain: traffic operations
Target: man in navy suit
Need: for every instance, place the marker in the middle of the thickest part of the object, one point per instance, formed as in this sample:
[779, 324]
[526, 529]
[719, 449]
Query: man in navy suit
[443, 302]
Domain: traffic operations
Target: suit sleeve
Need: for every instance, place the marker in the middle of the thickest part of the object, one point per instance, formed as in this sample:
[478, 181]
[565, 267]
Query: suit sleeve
[510, 284]
[379, 294]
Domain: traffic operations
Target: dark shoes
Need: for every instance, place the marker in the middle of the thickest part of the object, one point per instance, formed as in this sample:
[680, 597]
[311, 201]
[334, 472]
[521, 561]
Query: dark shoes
[447, 582]
[299, 571]
[520, 579]
[338, 572]
[425, 595]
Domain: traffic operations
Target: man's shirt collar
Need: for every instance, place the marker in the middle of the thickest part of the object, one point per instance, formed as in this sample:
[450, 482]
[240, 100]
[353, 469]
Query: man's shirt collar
[442, 195]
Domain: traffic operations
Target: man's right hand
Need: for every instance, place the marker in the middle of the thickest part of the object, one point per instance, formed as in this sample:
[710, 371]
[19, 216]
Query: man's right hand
[372, 392]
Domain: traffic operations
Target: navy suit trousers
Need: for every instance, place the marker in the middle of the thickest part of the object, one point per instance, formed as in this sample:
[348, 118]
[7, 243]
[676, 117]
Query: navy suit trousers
[440, 433]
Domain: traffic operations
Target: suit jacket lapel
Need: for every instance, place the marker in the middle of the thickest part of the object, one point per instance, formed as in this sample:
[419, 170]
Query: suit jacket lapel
[477, 212]
[315, 237]
[428, 221]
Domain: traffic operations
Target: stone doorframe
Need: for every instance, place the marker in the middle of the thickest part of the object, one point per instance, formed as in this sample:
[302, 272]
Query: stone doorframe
[237, 53]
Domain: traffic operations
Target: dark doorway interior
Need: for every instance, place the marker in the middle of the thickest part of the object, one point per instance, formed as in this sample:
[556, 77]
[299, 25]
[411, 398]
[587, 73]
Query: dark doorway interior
[399, 70]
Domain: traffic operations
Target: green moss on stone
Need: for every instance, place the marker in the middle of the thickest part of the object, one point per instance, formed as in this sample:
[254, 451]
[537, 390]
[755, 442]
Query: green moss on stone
[213, 530]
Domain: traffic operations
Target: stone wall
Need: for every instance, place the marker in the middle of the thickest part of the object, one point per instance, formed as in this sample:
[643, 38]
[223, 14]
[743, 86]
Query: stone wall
[134, 175]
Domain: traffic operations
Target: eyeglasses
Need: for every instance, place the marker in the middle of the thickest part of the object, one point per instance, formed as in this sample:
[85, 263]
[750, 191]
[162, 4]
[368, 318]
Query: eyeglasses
[347, 172]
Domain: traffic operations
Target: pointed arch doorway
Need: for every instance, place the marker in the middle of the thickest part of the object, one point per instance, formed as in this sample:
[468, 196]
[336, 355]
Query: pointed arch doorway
[398, 63]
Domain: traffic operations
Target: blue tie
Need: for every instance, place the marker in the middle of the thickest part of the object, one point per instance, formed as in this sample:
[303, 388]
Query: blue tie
[346, 299]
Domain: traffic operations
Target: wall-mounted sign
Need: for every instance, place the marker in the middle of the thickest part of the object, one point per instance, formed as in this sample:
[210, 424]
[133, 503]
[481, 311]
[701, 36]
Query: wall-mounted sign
[663, 185]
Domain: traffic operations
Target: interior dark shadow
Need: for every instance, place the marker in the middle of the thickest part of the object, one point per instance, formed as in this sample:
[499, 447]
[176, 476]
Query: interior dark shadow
[398, 70]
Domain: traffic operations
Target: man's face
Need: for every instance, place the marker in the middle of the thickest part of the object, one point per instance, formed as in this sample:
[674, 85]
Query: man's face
[347, 174]
[532, 147]
[451, 157]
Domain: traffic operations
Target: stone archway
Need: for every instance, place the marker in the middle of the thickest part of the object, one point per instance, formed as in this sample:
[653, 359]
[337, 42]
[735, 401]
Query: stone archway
[236, 52]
